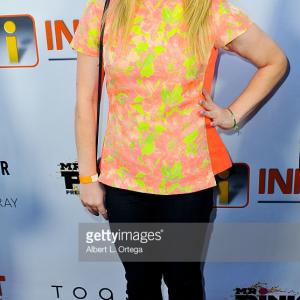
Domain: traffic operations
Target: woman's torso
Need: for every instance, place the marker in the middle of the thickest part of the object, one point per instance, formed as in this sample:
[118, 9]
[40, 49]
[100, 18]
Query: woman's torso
[156, 140]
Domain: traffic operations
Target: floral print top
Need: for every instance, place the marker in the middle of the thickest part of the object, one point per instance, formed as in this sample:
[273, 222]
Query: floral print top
[156, 141]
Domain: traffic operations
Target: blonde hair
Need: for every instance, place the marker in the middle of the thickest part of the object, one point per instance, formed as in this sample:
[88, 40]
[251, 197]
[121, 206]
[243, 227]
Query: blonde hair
[196, 17]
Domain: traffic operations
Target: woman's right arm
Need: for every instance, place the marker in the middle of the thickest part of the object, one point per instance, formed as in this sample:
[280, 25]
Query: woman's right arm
[91, 194]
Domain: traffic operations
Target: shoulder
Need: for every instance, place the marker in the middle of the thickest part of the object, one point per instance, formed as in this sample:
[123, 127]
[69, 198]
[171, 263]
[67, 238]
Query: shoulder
[224, 8]
[98, 4]
[220, 6]
[92, 12]
[94, 6]
[229, 21]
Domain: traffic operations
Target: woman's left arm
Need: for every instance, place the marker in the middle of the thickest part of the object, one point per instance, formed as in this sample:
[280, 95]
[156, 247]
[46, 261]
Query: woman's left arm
[271, 62]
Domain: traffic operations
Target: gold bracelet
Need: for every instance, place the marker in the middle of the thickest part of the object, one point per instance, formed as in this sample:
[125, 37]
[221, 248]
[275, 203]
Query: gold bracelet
[88, 179]
[235, 125]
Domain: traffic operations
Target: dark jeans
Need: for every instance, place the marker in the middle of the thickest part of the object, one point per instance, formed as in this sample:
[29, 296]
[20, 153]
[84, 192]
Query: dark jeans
[183, 279]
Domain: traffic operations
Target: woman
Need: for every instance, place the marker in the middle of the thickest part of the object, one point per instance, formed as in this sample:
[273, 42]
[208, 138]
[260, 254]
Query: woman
[160, 155]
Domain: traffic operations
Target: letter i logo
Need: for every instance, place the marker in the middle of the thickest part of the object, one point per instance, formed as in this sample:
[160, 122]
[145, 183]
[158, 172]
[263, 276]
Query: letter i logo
[224, 187]
[233, 186]
[11, 42]
[18, 42]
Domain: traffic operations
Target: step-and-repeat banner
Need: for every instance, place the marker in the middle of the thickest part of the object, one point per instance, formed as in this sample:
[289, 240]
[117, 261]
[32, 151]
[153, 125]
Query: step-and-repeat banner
[39, 205]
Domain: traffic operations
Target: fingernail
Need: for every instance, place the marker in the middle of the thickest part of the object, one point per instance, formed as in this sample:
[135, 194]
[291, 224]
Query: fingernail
[201, 101]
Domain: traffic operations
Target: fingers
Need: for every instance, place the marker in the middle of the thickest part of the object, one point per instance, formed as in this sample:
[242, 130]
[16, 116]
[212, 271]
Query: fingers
[213, 123]
[209, 114]
[97, 211]
[210, 108]
[207, 103]
[207, 97]
[104, 215]
[92, 198]
[93, 211]
[102, 210]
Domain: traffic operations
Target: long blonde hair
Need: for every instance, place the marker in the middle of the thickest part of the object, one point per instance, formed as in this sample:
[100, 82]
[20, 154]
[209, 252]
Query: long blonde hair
[196, 17]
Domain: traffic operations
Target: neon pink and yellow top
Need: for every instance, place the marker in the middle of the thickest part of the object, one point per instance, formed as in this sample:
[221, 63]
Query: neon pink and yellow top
[156, 141]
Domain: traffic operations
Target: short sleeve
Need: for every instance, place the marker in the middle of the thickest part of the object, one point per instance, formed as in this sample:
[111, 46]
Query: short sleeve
[229, 22]
[87, 34]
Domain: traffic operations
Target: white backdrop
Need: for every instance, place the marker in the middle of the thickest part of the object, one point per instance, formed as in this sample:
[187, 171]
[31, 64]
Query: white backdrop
[39, 215]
